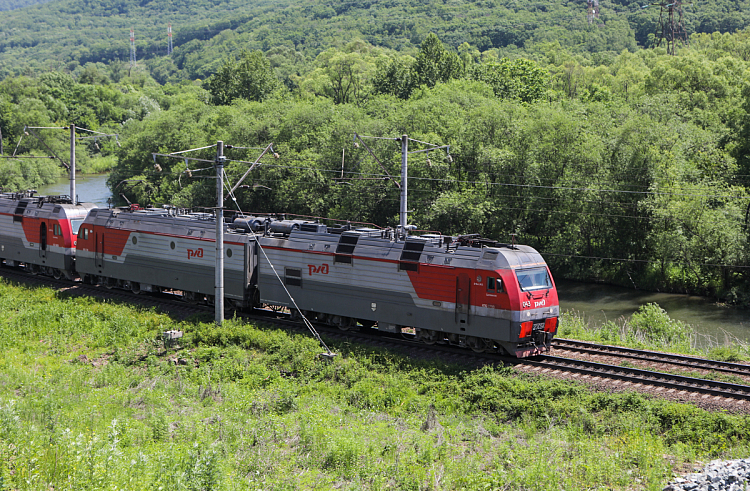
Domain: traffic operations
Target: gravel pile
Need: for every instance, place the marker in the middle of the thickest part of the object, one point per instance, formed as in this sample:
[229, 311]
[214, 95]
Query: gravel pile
[719, 475]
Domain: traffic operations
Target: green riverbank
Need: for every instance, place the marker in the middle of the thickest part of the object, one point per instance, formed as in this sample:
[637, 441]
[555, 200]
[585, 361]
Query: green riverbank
[89, 400]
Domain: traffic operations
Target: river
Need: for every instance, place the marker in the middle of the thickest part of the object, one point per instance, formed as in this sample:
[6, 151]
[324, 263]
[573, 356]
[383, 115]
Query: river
[89, 188]
[596, 303]
[599, 303]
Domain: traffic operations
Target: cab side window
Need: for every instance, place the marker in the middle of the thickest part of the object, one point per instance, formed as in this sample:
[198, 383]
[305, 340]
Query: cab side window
[83, 233]
[57, 230]
[494, 285]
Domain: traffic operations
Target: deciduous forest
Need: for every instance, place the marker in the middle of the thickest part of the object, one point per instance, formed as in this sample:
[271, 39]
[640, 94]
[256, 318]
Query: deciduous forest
[619, 162]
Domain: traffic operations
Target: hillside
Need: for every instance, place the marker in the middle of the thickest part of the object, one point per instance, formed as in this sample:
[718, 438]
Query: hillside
[18, 4]
[68, 33]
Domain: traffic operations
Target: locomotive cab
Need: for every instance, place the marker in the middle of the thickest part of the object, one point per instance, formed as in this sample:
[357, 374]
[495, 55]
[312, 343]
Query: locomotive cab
[530, 296]
[39, 232]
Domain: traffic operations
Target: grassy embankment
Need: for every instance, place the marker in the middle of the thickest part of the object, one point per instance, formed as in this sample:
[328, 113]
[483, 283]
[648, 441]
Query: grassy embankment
[88, 400]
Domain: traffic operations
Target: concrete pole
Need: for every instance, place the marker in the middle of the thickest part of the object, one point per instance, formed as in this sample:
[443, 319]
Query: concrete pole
[404, 183]
[219, 285]
[73, 164]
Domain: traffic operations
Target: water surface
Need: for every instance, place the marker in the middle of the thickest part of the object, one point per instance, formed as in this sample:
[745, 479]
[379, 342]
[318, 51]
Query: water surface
[91, 188]
[599, 303]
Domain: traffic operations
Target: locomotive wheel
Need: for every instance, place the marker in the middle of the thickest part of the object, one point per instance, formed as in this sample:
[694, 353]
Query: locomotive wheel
[135, 287]
[110, 283]
[366, 323]
[57, 274]
[428, 336]
[343, 323]
[476, 344]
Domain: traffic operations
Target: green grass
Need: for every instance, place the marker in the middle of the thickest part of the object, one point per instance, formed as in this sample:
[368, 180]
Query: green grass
[89, 399]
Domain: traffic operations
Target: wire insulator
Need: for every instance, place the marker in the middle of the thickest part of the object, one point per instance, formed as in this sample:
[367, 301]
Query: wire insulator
[157, 167]
[275, 155]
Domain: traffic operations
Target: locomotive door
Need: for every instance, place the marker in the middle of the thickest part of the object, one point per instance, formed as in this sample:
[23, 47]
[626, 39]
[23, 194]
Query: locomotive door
[463, 290]
[43, 240]
[251, 263]
[99, 253]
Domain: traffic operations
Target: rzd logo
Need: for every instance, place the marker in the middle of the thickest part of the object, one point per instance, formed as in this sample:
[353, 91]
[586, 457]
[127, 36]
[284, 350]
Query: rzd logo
[322, 269]
[195, 253]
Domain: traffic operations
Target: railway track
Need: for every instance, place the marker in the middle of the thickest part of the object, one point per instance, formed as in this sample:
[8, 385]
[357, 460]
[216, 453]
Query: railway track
[622, 376]
[628, 377]
[690, 362]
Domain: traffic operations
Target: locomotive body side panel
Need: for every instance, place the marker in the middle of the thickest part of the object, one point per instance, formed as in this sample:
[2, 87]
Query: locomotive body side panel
[372, 286]
[157, 250]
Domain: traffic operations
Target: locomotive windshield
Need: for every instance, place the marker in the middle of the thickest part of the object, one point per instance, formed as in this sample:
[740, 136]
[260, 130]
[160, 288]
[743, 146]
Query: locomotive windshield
[533, 279]
[76, 224]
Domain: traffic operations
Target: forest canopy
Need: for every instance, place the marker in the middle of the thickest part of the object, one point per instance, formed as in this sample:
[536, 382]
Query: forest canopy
[68, 34]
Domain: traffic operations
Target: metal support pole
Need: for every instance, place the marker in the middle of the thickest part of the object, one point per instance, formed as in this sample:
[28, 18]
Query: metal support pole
[219, 285]
[404, 184]
[73, 164]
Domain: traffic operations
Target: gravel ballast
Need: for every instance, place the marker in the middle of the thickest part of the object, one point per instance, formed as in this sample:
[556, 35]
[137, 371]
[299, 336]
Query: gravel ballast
[718, 475]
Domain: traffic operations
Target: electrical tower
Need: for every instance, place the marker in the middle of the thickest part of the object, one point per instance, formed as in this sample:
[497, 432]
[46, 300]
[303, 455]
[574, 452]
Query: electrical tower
[671, 29]
[132, 48]
[593, 12]
[169, 38]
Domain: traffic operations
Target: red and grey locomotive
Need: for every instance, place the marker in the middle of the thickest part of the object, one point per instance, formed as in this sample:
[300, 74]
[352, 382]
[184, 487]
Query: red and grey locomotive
[461, 290]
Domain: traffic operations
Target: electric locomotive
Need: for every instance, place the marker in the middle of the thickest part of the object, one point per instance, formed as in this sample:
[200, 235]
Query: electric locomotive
[461, 290]
[40, 232]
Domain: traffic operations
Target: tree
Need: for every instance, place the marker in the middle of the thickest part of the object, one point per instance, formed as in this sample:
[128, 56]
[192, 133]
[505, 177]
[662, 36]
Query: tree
[395, 77]
[249, 78]
[435, 63]
[520, 79]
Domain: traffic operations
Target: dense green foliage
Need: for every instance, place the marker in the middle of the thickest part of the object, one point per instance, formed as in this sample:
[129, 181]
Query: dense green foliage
[54, 99]
[17, 4]
[68, 34]
[249, 78]
[89, 399]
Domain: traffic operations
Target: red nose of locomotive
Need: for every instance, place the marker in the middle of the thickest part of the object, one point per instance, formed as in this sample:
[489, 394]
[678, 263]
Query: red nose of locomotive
[537, 309]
